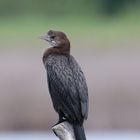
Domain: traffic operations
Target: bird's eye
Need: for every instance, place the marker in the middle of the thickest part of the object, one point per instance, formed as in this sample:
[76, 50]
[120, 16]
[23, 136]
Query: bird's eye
[52, 37]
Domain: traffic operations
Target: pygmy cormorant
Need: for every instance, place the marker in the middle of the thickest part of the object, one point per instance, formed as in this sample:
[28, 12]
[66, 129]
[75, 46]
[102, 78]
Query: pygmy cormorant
[66, 82]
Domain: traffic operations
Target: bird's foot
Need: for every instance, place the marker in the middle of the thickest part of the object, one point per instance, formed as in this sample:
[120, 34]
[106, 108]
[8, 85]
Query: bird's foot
[60, 121]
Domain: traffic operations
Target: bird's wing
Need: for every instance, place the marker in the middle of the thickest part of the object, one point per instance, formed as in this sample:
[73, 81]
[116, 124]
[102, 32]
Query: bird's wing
[81, 86]
[63, 89]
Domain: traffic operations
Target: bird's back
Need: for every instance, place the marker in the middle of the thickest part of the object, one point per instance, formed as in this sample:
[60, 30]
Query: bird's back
[67, 86]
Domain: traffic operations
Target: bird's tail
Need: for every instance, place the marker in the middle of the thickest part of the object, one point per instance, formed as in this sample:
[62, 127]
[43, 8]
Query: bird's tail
[79, 132]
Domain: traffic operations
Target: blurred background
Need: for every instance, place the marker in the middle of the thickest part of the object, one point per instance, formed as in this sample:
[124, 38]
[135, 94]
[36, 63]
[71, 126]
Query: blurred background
[105, 40]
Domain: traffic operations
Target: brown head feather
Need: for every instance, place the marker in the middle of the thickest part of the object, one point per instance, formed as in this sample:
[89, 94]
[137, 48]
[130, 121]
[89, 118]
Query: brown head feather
[59, 42]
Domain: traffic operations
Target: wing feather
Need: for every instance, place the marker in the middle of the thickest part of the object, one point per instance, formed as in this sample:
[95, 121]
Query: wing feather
[67, 87]
[81, 86]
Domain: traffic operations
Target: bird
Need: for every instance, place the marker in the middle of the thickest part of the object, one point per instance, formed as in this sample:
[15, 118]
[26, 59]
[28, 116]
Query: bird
[66, 82]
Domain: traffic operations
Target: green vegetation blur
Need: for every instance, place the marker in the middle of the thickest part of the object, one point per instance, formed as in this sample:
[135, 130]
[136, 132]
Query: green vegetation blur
[101, 19]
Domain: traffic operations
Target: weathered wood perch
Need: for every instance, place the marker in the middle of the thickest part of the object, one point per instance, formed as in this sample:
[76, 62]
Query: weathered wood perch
[64, 131]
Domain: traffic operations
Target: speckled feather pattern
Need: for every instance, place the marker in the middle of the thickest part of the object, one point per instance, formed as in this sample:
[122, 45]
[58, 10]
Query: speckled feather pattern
[67, 86]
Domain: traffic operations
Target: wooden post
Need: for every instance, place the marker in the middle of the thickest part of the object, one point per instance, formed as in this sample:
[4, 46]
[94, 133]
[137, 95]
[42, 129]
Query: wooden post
[64, 131]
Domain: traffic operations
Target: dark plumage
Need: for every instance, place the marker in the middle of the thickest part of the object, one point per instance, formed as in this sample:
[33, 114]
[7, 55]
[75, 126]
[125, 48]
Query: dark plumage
[67, 84]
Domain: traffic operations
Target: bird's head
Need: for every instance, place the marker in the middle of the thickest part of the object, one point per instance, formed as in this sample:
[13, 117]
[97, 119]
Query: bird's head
[56, 39]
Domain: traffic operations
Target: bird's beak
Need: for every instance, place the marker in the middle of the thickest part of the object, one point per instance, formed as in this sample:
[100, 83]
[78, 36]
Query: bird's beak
[45, 37]
[41, 37]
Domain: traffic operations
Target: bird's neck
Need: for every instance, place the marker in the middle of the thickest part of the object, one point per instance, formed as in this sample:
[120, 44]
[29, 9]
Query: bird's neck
[64, 50]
